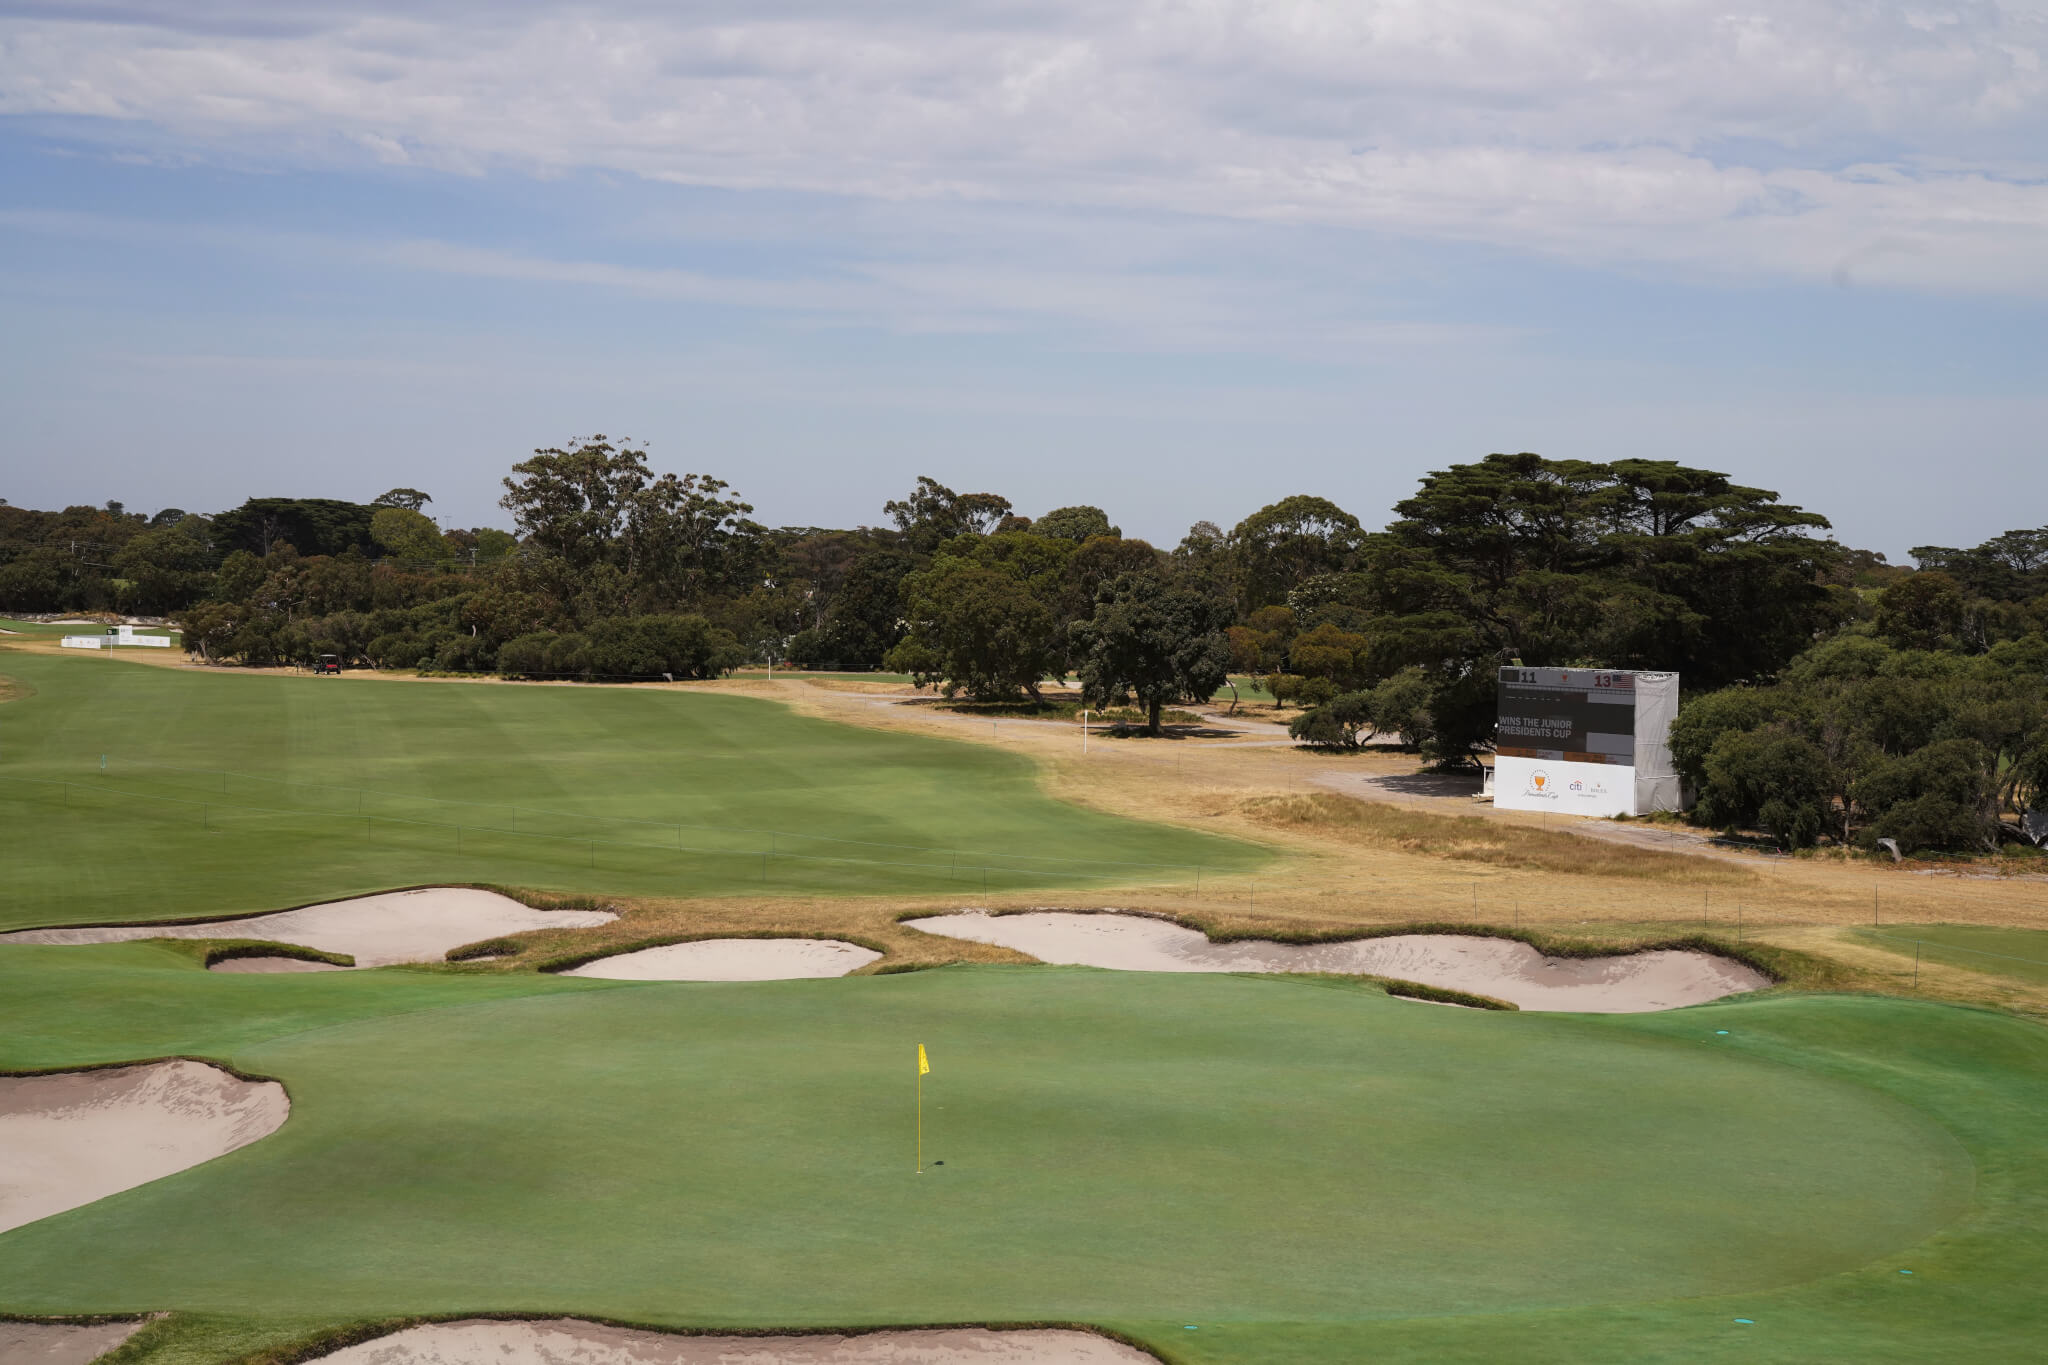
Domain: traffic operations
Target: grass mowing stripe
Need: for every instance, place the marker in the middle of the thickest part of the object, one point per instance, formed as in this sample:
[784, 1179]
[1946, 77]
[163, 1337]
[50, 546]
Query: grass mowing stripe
[531, 811]
[224, 809]
[599, 754]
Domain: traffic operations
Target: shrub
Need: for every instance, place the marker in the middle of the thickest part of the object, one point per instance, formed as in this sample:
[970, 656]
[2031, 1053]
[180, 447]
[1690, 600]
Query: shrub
[1942, 796]
[1703, 720]
[1337, 724]
[1768, 780]
[527, 655]
[568, 655]
[813, 649]
[463, 654]
[1284, 687]
[1316, 692]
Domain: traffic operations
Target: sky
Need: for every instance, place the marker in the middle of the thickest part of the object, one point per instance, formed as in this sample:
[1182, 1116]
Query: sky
[1175, 258]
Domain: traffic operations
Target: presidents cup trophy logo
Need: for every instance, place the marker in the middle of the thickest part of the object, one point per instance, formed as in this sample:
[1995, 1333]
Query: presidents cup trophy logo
[1539, 784]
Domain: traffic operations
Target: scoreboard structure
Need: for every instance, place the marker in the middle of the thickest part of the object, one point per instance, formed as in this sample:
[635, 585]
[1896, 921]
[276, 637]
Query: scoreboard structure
[1584, 741]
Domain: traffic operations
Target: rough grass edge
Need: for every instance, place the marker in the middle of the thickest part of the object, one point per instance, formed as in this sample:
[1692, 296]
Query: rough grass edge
[135, 1351]
[80, 1068]
[77, 1319]
[211, 951]
[1443, 995]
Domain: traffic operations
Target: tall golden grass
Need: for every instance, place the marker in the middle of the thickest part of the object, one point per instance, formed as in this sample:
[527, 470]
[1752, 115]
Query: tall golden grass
[1473, 839]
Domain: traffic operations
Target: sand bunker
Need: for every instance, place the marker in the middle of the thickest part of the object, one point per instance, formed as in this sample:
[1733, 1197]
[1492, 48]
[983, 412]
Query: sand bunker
[569, 1342]
[272, 966]
[732, 959]
[61, 1343]
[70, 1138]
[1502, 968]
[398, 926]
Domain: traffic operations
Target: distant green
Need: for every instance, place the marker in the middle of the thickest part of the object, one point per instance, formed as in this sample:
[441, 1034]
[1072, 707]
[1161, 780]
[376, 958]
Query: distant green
[835, 808]
[1304, 1172]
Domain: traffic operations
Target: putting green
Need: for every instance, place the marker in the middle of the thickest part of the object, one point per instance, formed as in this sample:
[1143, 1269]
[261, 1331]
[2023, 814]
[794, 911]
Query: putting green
[1113, 1146]
[617, 790]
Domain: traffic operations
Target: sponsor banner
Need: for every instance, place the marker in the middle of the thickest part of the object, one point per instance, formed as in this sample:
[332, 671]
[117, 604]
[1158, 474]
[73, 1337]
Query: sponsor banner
[1563, 787]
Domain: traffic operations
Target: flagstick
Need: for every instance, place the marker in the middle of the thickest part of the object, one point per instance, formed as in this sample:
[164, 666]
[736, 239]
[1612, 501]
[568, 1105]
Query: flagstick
[920, 1120]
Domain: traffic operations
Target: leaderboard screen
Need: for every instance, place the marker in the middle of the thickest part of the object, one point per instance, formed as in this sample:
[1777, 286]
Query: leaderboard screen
[1567, 715]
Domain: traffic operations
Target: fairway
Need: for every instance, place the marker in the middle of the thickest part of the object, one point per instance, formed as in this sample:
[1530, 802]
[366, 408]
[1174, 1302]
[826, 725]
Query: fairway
[2020, 954]
[280, 790]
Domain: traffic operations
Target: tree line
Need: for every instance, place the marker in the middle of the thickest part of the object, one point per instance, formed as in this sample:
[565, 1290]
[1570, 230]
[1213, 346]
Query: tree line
[1830, 695]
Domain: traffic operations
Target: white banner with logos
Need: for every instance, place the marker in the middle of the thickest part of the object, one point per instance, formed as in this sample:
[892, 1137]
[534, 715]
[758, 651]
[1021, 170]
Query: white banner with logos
[1565, 788]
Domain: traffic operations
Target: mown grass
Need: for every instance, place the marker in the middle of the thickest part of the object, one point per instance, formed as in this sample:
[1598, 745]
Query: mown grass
[739, 1153]
[1139, 1151]
[2018, 954]
[1473, 839]
[290, 790]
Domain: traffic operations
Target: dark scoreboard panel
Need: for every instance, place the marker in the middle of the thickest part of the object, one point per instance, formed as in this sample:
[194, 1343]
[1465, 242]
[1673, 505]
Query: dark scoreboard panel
[1568, 715]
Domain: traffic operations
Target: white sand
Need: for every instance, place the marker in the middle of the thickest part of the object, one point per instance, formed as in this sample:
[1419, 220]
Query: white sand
[71, 1138]
[1502, 968]
[272, 966]
[398, 926]
[566, 1341]
[61, 1343]
[732, 959]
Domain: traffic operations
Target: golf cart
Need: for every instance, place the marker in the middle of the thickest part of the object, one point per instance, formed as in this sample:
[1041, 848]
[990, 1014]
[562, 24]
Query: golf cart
[329, 663]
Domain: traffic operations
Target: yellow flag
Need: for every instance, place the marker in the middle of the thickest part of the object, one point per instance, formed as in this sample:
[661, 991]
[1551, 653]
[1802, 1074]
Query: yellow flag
[924, 1066]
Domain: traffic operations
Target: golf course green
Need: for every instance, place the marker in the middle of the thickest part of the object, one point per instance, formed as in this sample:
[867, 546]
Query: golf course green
[224, 792]
[1226, 1169]
[1253, 1156]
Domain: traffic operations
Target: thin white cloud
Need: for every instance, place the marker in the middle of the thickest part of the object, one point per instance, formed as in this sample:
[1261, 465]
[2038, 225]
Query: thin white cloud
[1116, 291]
[1874, 141]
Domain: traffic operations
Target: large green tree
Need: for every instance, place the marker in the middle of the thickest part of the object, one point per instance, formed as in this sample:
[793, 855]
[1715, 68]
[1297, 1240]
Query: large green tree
[408, 534]
[574, 502]
[977, 629]
[1281, 545]
[1153, 640]
[167, 568]
[1074, 523]
[934, 514]
[312, 526]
